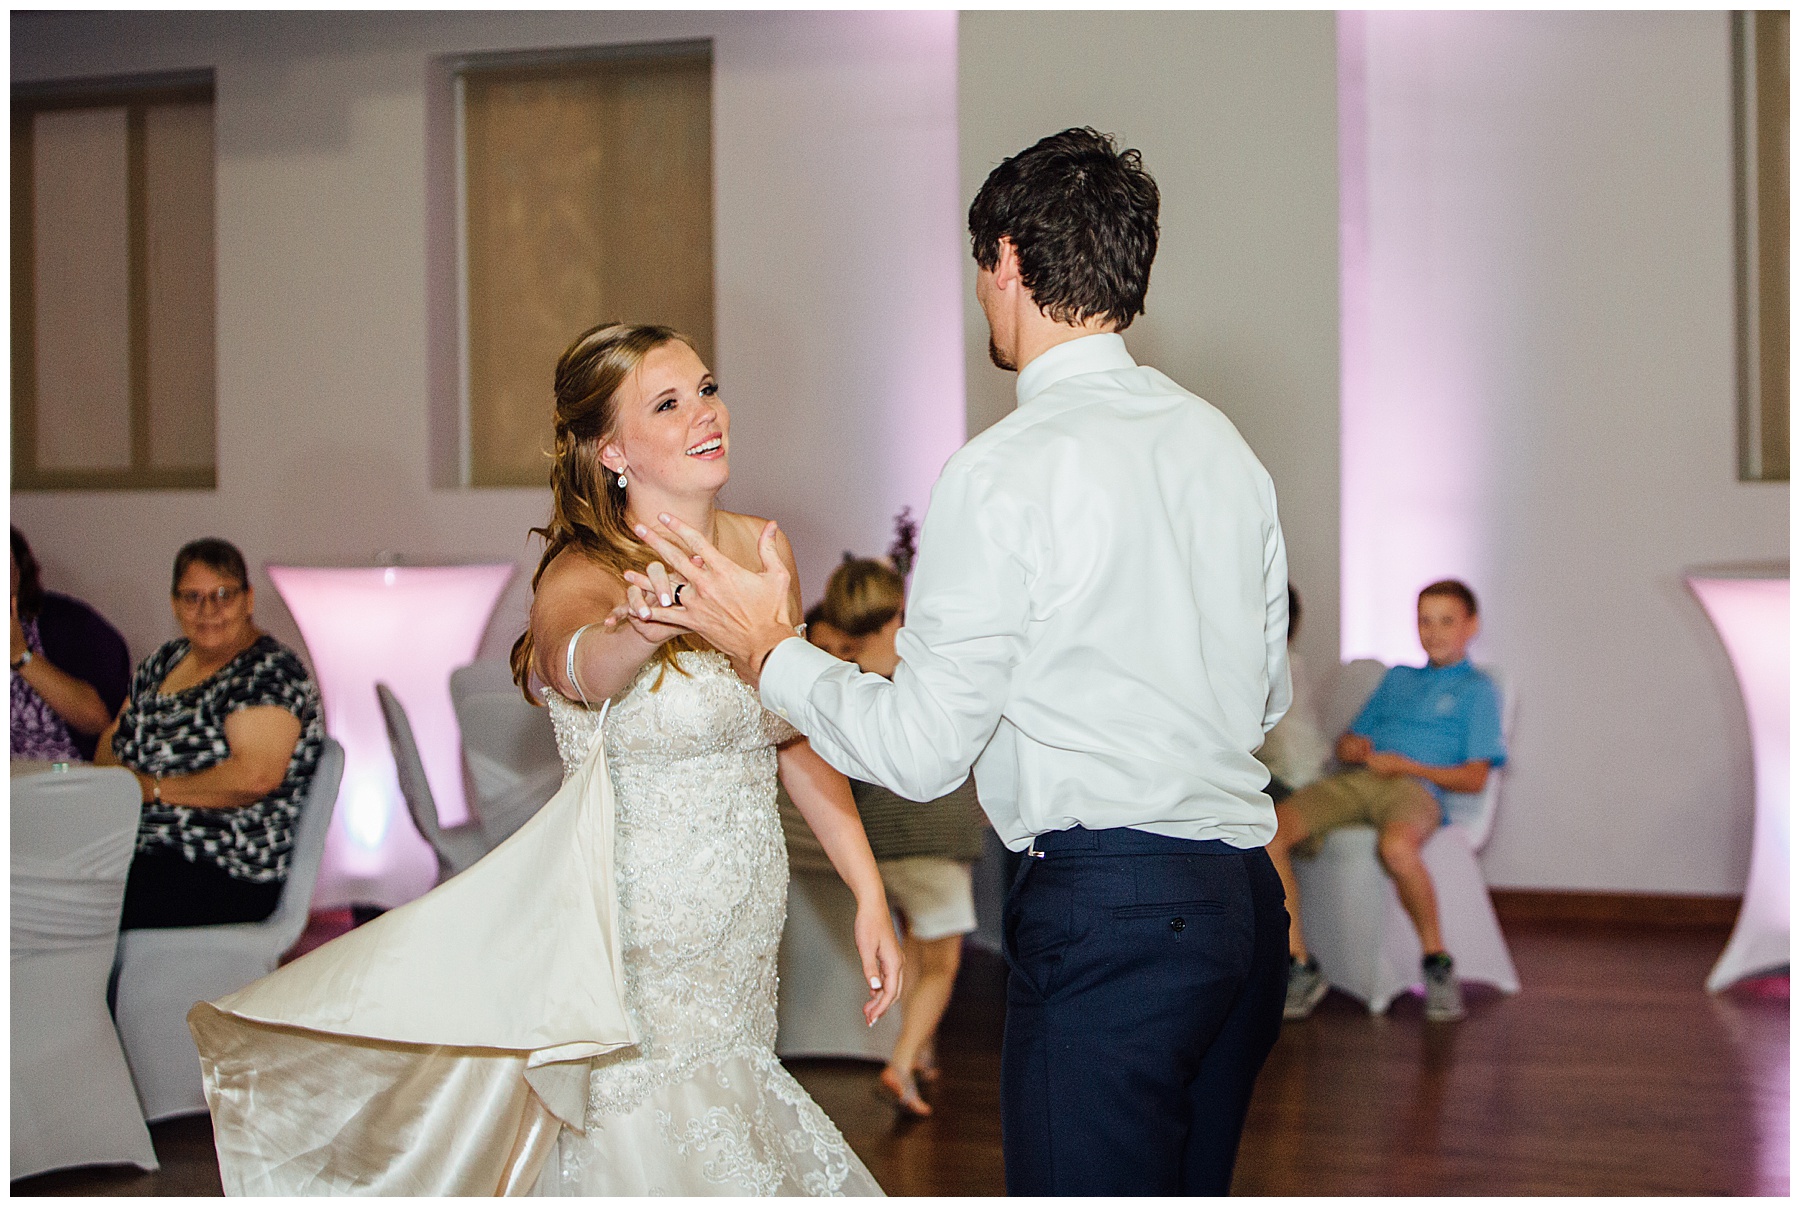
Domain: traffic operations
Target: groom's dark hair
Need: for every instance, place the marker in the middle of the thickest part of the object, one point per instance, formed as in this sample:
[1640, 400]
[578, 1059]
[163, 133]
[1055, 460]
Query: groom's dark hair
[1081, 214]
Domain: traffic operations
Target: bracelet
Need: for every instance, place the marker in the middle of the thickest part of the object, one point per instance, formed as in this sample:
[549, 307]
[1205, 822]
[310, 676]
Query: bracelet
[24, 658]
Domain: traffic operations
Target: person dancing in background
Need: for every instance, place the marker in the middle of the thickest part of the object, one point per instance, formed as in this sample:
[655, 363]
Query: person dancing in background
[1098, 624]
[926, 852]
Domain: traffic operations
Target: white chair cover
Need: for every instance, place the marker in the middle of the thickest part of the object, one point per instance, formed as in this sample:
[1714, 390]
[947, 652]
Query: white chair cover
[1355, 924]
[484, 676]
[510, 762]
[163, 972]
[817, 1009]
[457, 847]
[72, 1098]
[818, 1003]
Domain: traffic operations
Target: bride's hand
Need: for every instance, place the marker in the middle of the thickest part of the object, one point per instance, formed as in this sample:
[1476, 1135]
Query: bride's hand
[633, 612]
[880, 951]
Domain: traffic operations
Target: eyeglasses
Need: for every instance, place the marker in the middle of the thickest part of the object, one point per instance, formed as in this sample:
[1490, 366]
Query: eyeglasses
[193, 601]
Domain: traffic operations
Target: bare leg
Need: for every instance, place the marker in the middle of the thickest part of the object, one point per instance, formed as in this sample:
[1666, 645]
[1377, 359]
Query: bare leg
[931, 966]
[1289, 831]
[926, 1070]
[1399, 848]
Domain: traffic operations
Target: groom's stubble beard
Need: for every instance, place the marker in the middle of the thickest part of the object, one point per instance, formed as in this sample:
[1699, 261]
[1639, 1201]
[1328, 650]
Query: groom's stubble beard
[1000, 359]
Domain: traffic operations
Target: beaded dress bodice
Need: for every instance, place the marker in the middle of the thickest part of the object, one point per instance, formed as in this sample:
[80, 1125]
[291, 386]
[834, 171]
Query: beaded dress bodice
[702, 890]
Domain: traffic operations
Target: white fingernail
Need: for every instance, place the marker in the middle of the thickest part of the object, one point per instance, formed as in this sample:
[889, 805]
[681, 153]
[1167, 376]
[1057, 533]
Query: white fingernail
[667, 601]
[644, 613]
[874, 982]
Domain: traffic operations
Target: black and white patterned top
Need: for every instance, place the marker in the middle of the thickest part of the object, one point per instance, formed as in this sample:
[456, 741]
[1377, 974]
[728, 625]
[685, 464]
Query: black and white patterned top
[183, 733]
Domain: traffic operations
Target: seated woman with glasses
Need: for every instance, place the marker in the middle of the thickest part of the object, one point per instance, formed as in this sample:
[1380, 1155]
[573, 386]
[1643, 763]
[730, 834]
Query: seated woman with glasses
[222, 729]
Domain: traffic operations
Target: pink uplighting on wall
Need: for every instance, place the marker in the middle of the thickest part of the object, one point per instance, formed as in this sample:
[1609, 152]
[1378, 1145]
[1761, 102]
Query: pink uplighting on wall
[1414, 458]
[408, 627]
[1751, 614]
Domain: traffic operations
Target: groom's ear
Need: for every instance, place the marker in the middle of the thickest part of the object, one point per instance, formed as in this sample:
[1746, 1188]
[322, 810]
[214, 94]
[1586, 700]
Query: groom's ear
[1006, 268]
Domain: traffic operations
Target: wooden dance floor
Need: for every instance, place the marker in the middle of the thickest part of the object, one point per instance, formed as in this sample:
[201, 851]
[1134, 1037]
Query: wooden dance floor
[1613, 1072]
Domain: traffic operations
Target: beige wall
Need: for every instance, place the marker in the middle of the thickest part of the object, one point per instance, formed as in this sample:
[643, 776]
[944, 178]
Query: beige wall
[836, 276]
[1579, 226]
[1551, 392]
[1236, 115]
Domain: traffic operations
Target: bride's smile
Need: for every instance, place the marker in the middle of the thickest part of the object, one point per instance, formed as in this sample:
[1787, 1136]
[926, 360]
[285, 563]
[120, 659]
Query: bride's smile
[674, 434]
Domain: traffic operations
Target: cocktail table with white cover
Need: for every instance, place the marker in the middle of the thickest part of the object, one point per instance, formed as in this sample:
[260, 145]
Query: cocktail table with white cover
[1749, 607]
[405, 626]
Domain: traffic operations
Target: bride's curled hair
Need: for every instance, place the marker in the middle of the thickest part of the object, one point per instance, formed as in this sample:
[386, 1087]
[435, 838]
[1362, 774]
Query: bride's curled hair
[587, 504]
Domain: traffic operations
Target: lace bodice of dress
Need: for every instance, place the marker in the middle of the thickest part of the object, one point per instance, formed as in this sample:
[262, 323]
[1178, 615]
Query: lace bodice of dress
[665, 715]
[700, 1105]
[701, 866]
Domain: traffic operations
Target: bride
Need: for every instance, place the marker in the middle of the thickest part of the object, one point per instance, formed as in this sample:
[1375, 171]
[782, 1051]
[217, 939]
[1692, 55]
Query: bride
[702, 870]
[625, 939]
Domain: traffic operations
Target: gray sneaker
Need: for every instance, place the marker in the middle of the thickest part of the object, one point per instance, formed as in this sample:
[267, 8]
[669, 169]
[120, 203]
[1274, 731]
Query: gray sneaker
[1306, 988]
[1443, 993]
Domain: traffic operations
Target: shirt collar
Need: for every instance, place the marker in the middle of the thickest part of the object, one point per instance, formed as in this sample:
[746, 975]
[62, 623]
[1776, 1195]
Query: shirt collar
[1089, 354]
[1463, 665]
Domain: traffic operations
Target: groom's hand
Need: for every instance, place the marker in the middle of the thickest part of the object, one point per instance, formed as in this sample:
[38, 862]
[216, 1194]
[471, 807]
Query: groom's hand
[743, 613]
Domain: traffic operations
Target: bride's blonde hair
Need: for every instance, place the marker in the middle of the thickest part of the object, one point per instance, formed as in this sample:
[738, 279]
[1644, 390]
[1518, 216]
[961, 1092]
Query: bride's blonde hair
[587, 504]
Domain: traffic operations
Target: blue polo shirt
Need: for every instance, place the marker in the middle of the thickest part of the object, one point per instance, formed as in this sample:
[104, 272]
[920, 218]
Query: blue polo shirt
[1443, 716]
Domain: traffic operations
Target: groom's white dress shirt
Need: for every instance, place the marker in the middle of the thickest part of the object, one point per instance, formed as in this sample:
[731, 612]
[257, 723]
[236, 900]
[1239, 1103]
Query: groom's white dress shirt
[1097, 622]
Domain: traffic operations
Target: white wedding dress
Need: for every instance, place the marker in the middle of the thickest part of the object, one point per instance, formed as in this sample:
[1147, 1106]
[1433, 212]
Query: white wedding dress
[589, 1010]
[700, 1105]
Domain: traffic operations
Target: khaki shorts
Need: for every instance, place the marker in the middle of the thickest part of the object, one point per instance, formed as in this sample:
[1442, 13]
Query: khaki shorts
[1360, 798]
[935, 896]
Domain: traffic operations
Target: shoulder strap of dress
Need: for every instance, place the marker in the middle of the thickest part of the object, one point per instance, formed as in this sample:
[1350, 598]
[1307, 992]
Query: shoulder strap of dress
[569, 665]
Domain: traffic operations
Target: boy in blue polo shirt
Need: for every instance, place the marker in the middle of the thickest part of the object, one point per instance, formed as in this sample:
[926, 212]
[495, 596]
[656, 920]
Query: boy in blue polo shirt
[1426, 731]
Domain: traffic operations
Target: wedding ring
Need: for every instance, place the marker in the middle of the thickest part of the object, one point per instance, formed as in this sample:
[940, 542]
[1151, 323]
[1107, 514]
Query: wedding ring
[678, 587]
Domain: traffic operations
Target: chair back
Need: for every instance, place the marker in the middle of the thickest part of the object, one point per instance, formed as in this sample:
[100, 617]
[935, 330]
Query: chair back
[73, 1102]
[482, 676]
[409, 768]
[73, 833]
[288, 922]
[1349, 688]
[504, 737]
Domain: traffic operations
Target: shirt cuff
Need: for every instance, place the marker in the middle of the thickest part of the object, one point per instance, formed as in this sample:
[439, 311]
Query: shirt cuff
[788, 675]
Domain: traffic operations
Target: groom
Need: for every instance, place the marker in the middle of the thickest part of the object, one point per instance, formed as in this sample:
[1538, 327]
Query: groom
[1098, 624]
